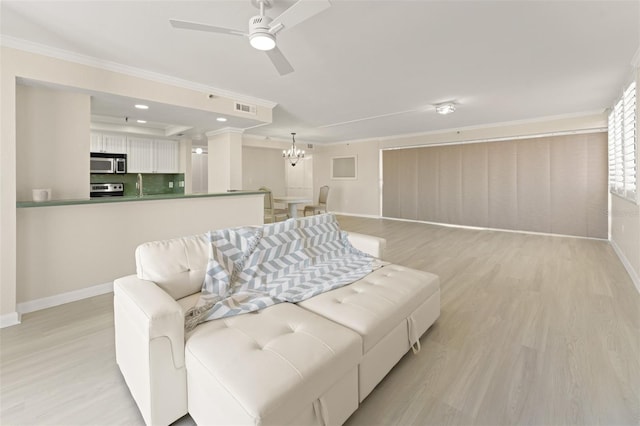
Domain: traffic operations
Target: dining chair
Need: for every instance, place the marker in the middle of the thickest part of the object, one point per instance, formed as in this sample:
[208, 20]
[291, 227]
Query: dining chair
[322, 202]
[272, 214]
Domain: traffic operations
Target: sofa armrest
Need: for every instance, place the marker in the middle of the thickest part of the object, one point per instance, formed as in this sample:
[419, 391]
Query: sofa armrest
[149, 334]
[369, 244]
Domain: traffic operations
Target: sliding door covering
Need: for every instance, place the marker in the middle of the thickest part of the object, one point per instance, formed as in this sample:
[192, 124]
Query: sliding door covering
[555, 184]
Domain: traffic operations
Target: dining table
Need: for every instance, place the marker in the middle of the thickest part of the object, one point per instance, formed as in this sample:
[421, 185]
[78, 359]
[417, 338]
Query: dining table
[292, 203]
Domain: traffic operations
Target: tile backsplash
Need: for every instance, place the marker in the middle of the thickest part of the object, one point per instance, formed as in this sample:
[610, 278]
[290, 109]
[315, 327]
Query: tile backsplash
[152, 183]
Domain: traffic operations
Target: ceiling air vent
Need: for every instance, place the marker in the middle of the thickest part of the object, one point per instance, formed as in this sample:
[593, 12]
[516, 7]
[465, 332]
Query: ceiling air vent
[245, 108]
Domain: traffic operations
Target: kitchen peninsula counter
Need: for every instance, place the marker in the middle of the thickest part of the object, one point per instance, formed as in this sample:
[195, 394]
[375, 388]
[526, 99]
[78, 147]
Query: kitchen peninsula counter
[155, 197]
[74, 249]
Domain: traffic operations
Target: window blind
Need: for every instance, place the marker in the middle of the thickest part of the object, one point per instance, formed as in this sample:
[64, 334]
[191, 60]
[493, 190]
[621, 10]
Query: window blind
[551, 184]
[623, 146]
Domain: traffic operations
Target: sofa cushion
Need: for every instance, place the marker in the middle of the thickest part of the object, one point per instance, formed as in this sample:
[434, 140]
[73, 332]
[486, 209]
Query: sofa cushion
[177, 265]
[377, 303]
[268, 363]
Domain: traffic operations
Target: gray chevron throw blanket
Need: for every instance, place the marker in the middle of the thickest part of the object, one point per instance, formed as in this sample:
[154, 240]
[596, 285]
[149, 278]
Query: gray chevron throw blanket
[251, 268]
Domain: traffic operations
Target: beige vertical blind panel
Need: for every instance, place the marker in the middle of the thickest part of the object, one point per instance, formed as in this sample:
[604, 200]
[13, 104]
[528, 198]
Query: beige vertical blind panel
[503, 198]
[534, 183]
[450, 184]
[475, 185]
[551, 184]
[597, 198]
[408, 205]
[428, 178]
[569, 184]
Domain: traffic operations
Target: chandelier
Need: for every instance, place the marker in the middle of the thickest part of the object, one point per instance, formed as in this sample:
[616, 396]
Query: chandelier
[293, 154]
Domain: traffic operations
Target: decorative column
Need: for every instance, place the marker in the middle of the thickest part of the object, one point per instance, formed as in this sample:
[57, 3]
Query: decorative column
[225, 159]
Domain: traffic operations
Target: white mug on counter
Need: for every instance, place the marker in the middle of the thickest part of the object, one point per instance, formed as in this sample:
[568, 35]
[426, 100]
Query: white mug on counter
[43, 194]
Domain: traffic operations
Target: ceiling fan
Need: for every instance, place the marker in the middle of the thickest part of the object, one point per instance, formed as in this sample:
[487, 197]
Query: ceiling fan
[263, 30]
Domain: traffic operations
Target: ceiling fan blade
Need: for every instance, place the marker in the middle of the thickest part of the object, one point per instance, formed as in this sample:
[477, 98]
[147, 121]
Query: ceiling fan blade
[300, 11]
[186, 25]
[279, 61]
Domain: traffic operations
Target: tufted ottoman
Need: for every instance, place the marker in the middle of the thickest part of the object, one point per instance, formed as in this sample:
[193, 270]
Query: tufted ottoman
[390, 309]
[280, 365]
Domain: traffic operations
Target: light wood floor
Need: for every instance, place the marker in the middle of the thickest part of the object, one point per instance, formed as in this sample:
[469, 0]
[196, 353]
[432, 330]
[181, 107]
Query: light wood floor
[534, 330]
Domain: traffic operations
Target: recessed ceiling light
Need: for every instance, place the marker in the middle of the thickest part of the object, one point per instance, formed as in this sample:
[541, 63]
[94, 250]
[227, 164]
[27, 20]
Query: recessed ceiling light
[199, 150]
[221, 119]
[140, 106]
[445, 108]
[141, 121]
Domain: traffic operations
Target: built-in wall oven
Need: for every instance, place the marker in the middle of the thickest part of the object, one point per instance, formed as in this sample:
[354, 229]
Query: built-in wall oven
[105, 163]
[106, 190]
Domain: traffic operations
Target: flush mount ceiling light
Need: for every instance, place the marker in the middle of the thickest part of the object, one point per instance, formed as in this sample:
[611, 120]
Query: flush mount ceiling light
[293, 154]
[140, 106]
[141, 121]
[199, 150]
[445, 108]
[221, 119]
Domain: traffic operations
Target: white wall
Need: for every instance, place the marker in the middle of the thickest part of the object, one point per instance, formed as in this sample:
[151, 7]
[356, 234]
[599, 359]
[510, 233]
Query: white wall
[199, 173]
[299, 178]
[186, 165]
[263, 167]
[359, 196]
[52, 142]
[625, 216]
[225, 161]
[625, 234]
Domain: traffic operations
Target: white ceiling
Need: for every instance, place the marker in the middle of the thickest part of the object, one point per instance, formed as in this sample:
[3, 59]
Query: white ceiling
[365, 69]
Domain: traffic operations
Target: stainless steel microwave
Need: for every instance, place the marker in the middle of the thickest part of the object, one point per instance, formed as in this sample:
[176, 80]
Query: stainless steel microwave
[102, 162]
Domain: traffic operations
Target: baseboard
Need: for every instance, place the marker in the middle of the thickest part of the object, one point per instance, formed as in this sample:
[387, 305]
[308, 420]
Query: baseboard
[61, 299]
[627, 265]
[7, 320]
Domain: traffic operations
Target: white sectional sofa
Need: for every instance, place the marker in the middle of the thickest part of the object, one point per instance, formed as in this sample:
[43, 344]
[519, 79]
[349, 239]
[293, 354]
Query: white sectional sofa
[309, 363]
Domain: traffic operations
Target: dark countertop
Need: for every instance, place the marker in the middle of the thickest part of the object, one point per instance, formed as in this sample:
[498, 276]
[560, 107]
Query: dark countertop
[102, 200]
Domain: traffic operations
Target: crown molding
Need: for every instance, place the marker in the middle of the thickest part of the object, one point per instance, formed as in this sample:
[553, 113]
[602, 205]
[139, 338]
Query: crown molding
[225, 131]
[66, 55]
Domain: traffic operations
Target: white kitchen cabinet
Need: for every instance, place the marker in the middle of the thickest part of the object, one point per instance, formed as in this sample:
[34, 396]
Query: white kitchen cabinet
[139, 155]
[113, 144]
[146, 155]
[166, 156]
[96, 142]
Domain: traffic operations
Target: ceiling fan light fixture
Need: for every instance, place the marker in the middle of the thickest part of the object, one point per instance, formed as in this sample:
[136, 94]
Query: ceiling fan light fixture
[262, 41]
